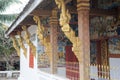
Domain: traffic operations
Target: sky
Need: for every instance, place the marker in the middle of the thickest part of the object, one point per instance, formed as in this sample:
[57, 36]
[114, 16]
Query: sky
[16, 8]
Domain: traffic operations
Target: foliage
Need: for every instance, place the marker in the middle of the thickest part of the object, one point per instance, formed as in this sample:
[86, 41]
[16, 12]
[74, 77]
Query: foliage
[5, 44]
[4, 4]
[6, 47]
[7, 18]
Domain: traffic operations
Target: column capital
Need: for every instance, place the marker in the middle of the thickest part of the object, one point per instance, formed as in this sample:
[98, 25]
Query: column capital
[83, 5]
[54, 18]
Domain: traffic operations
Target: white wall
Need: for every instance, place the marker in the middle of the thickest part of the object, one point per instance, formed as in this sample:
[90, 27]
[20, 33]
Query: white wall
[27, 73]
[93, 72]
[114, 68]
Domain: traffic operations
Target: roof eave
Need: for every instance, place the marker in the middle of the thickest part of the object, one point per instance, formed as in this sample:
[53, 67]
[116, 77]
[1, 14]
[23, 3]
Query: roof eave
[26, 11]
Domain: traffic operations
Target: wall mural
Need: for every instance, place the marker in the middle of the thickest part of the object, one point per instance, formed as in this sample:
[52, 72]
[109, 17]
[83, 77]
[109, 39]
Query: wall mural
[42, 58]
[103, 27]
[61, 51]
[93, 52]
[114, 46]
[108, 4]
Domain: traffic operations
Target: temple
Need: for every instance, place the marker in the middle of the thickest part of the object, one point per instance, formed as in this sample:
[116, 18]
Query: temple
[68, 40]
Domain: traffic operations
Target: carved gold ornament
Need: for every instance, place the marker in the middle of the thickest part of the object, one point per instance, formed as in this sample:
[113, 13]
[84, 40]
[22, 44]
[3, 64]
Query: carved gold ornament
[15, 45]
[28, 41]
[20, 42]
[40, 28]
[64, 23]
[43, 40]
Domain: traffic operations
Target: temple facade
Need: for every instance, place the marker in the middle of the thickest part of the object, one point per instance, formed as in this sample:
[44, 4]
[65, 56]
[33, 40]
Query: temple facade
[68, 40]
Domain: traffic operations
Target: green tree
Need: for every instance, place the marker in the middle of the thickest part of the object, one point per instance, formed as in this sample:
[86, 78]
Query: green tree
[4, 4]
[6, 47]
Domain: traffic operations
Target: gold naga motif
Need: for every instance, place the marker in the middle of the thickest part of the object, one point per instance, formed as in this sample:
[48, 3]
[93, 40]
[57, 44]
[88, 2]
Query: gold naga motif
[43, 39]
[28, 41]
[40, 29]
[15, 45]
[64, 23]
[20, 42]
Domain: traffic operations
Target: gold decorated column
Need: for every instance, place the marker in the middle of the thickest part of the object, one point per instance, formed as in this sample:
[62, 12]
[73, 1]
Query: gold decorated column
[83, 29]
[53, 41]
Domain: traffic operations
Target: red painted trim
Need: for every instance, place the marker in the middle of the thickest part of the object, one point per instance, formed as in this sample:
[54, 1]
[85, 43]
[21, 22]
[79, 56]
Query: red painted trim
[31, 60]
[114, 55]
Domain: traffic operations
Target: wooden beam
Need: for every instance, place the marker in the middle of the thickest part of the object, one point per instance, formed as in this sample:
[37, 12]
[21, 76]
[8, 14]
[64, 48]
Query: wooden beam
[41, 12]
[93, 12]
[94, 3]
[103, 12]
[96, 12]
[72, 9]
[67, 1]
[28, 21]
[18, 28]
